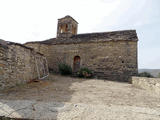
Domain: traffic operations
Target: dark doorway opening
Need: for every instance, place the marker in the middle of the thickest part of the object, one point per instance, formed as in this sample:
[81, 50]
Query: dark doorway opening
[76, 63]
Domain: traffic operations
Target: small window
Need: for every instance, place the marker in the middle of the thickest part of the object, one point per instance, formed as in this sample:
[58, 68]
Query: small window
[61, 31]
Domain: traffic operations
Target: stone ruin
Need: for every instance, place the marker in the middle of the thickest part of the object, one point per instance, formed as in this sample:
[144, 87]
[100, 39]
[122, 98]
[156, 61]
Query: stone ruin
[110, 55]
[20, 64]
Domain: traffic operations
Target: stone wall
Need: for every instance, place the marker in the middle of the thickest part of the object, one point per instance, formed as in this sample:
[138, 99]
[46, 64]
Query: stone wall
[112, 60]
[67, 27]
[18, 64]
[150, 84]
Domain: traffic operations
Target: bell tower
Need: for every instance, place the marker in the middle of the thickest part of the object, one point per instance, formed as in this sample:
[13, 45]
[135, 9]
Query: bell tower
[67, 27]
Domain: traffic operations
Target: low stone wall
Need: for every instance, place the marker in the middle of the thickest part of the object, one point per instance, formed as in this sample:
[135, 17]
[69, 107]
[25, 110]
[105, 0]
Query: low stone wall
[150, 84]
[19, 64]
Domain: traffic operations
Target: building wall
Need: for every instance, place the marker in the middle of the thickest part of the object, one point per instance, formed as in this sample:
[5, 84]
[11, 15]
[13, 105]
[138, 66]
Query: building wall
[18, 65]
[112, 60]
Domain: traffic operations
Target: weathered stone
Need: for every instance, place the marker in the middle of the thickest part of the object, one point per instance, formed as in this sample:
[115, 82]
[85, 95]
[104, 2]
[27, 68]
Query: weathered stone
[28, 110]
[150, 84]
[18, 64]
[111, 55]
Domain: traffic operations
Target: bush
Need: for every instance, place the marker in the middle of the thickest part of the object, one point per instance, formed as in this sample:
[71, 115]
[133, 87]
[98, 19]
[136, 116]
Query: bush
[145, 74]
[85, 72]
[158, 75]
[65, 69]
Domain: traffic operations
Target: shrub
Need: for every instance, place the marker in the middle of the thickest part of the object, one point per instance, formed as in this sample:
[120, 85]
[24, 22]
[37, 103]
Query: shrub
[145, 74]
[158, 75]
[64, 69]
[85, 72]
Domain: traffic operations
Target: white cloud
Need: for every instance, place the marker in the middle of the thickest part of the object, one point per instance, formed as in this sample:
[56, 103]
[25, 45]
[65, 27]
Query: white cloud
[29, 20]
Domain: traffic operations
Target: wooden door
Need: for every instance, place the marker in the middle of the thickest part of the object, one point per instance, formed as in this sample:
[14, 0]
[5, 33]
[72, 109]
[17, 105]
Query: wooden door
[76, 64]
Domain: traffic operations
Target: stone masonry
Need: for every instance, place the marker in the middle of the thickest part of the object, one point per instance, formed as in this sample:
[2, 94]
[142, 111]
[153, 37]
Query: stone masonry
[19, 64]
[149, 84]
[110, 55]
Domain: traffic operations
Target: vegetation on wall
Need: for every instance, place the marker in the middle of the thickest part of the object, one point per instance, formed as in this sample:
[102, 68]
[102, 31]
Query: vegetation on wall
[145, 74]
[65, 69]
[85, 72]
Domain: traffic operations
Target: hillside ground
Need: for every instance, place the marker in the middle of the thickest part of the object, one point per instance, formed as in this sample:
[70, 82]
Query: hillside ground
[108, 99]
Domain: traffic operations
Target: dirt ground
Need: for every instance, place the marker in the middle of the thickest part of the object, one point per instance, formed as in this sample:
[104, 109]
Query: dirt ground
[84, 91]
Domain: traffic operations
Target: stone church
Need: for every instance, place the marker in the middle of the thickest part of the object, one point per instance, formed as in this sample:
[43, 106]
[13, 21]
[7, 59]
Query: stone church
[110, 55]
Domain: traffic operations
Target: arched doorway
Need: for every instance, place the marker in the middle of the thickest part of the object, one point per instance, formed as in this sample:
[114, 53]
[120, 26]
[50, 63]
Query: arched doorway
[76, 63]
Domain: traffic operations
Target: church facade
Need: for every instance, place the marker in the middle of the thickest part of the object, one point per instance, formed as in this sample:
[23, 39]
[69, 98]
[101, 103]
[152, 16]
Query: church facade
[110, 55]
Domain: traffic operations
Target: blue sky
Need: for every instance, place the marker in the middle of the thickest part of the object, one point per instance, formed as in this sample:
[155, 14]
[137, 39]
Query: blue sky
[34, 20]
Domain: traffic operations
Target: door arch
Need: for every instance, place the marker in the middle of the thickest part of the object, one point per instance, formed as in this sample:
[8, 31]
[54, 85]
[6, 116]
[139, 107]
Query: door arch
[76, 63]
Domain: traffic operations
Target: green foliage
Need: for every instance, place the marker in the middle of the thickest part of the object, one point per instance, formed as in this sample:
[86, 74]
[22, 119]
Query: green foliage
[65, 69]
[158, 75]
[85, 72]
[145, 74]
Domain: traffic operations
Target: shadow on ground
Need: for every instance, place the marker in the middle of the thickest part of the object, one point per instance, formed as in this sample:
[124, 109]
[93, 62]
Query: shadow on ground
[43, 99]
[66, 98]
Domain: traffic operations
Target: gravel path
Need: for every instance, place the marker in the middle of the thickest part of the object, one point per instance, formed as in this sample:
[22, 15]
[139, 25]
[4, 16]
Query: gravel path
[66, 98]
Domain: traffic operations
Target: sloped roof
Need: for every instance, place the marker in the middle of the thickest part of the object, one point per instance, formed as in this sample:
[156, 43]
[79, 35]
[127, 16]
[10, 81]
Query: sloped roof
[68, 16]
[3, 43]
[127, 35]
